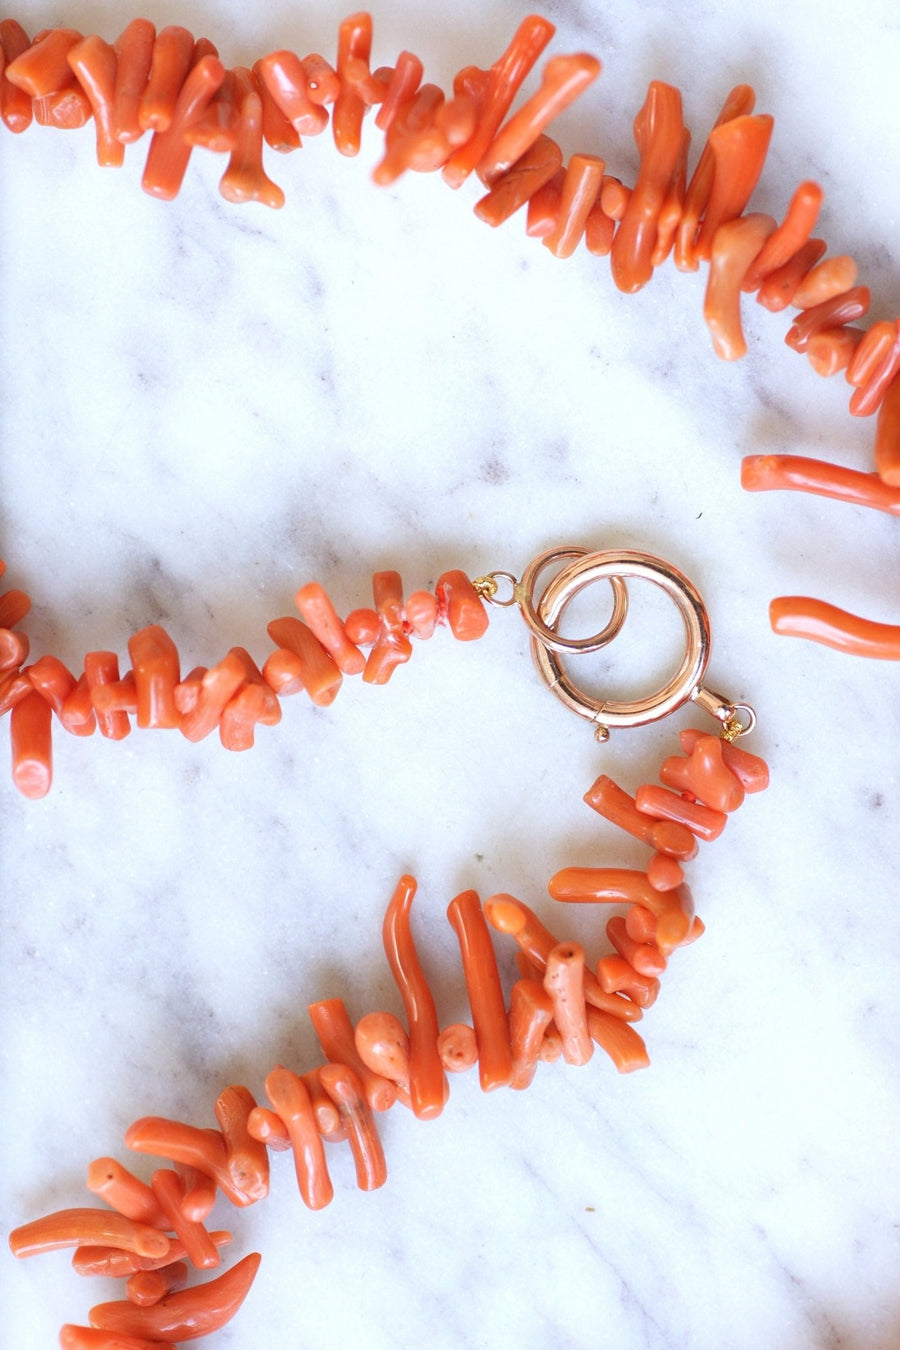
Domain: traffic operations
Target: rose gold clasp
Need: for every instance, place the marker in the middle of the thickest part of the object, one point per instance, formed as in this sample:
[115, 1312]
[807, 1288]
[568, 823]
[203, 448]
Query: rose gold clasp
[547, 646]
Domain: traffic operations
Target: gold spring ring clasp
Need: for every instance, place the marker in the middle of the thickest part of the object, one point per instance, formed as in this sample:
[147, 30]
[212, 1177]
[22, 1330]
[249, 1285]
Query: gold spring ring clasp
[547, 646]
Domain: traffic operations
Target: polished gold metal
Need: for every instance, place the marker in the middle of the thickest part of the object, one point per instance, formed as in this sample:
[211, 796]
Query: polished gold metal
[616, 566]
[547, 635]
[734, 727]
[488, 588]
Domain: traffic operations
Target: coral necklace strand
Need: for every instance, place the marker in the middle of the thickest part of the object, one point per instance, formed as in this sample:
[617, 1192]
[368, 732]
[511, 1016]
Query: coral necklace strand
[559, 1007]
[175, 88]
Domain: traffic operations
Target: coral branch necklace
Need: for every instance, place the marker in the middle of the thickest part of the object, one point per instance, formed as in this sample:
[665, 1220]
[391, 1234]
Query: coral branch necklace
[201, 703]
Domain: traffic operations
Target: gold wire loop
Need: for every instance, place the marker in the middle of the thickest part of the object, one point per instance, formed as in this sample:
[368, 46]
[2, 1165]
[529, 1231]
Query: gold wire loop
[733, 726]
[488, 588]
[684, 685]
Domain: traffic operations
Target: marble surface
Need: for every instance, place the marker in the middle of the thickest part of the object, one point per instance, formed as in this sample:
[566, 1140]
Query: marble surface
[204, 406]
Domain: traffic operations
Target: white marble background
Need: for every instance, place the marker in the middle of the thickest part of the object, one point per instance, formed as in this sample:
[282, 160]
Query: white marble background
[204, 406]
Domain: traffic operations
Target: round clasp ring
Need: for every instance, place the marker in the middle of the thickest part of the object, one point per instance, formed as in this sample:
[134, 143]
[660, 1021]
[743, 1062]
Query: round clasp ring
[686, 681]
[533, 615]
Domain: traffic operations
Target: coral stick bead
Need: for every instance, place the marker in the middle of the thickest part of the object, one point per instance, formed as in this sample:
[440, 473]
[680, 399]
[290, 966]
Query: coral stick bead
[640, 923]
[793, 232]
[319, 613]
[484, 990]
[830, 350]
[739, 102]
[14, 649]
[15, 103]
[616, 805]
[643, 957]
[154, 658]
[603, 885]
[53, 680]
[827, 279]
[673, 205]
[563, 79]
[739, 149]
[245, 179]
[269, 1129]
[800, 616]
[874, 377]
[124, 1192]
[102, 669]
[14, 605]
[778, 289]
[584, 175]
[599, 230]
[170, 149]
[31, 741]
[168, 1189]
[134, 56]
[314, 670]
[362, 627]
[413, 140]
[43, 68]
[392, 646]
[530, 1014]
[427, 1080]
[663, 804]
[213, 690]
[322, 80]
[839, 309]
[290, 1099]
[354, 44]
[247, 1158]
[198, 1193]
[618, 976]
[249, 706]
[621, 1042]
[93, 63]
[197, 1311]
[564, 982]
[187, 1145]
[659, 133]
[876, 345]
[705, 775]
[520, 183]
[734, 246]
[345, 1089]
[462, 606]
[82, 1227]
[173, 50]
[278, 131]
[404, 80]
[544, 208]
[283, 75]
[116, 1264]
[763, 473]
[13, 688]
[325, 1113]
[614, 198]
[751, 771]
[675, 919]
